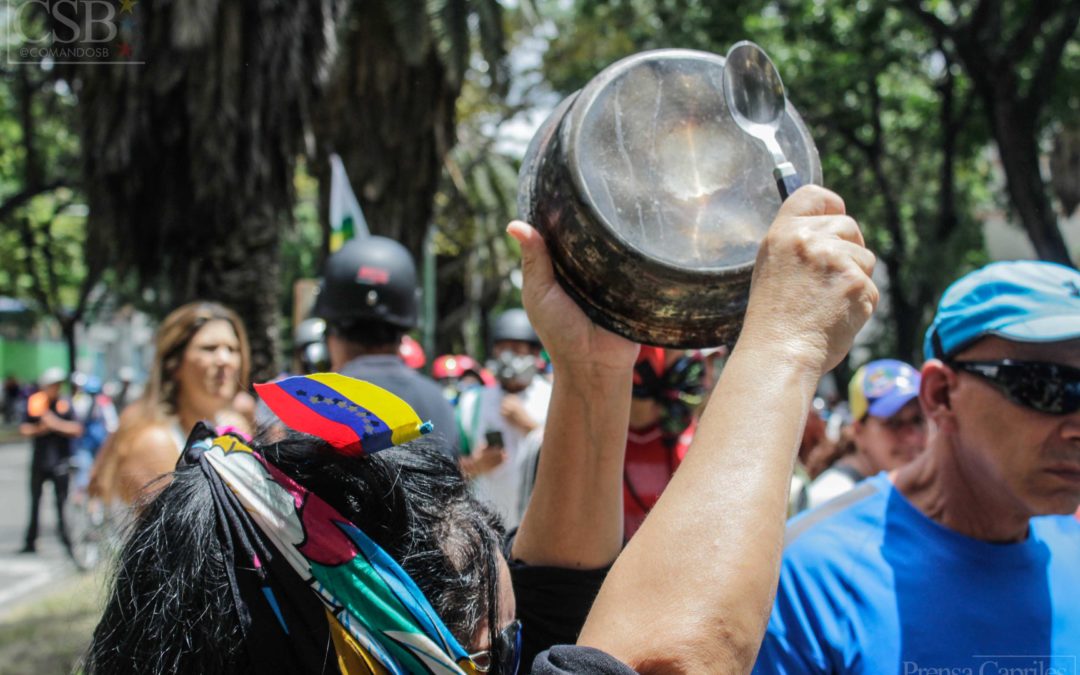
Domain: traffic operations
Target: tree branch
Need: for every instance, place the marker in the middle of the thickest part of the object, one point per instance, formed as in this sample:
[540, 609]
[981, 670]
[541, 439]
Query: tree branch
[848, 135]
[50, 260]
[939, 28]
[950, 127]
[981, 14]
[968, 48]
[1050, 62]
[877, 147]
[93, 275]
[967, 110]
[25, 195]
[29, 246]
[31, 165]
[1020, 44]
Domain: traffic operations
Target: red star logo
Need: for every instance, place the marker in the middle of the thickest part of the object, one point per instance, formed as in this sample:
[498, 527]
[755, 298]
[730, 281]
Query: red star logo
[125, 49]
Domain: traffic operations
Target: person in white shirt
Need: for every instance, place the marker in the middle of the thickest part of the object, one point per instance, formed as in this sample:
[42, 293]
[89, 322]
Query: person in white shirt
[494, 421]
[888, 432]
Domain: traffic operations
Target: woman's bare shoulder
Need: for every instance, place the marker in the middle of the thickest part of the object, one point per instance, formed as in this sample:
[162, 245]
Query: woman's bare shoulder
[154, 437]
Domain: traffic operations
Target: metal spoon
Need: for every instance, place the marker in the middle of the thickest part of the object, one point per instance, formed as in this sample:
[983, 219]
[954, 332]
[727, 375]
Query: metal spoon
[755, 97]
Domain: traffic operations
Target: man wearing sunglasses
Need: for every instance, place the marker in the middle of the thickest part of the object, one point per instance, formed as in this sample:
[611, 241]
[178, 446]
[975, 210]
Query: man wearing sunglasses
[966, 560]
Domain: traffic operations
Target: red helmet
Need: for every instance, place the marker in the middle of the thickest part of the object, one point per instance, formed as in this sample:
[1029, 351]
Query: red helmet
[453, 365]
[649, 358]
[487, 378]
[412, 353]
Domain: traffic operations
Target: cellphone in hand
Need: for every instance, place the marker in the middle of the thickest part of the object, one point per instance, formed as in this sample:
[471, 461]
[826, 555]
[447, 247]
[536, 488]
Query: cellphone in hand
[494, 438]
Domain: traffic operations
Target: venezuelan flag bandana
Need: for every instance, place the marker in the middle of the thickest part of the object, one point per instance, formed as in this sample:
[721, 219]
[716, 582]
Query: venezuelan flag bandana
[328, 405]
[300, 573]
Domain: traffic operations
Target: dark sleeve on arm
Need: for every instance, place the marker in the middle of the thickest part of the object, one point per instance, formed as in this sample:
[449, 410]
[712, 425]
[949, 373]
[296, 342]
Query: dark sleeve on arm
[552, 603]
[567, 659]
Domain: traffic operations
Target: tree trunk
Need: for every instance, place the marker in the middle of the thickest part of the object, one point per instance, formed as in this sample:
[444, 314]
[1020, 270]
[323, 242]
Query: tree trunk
[243, 272]
[950, 128]
[190, 157]
[1014, 129]
[906, 319]
[391, 122]
[67, 329]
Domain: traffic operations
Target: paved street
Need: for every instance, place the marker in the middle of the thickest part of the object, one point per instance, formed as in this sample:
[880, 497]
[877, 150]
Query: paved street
[21, 575]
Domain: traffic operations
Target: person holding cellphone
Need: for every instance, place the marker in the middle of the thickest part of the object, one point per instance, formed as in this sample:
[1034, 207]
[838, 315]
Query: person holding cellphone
[514, 408]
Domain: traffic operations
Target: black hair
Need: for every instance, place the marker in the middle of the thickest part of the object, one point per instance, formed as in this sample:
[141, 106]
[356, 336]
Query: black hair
[170, 608]
[369, 333]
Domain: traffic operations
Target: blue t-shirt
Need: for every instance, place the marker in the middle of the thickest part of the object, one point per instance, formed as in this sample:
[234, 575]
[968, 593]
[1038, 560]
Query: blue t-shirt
[870, 585]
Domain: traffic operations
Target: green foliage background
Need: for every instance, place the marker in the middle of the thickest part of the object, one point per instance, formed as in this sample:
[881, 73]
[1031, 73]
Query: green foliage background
[902, 134]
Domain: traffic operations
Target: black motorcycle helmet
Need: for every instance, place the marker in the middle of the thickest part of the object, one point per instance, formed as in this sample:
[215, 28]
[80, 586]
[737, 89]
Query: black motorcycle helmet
[371, 279]
[513, 324]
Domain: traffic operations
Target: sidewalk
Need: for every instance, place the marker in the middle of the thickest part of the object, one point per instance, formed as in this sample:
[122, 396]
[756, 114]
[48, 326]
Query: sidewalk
[47, 610]
[23, 577]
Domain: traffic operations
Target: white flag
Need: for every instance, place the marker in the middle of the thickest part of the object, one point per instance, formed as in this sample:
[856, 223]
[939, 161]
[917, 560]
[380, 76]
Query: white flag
[346, 218]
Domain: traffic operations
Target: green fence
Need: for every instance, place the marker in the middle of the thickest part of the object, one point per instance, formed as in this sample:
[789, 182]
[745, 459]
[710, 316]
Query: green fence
[27, 359]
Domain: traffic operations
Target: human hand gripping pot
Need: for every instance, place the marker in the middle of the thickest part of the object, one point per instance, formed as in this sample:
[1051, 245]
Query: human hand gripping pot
[571, 339]
[811, 289]
[691, 592]
[574, 517]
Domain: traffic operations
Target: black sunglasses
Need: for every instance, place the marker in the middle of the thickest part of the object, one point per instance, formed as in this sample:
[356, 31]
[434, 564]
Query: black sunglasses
[506, 652]
[1049, 388]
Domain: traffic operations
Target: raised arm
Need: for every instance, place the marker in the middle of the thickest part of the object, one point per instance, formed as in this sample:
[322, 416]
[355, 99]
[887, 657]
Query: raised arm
[51, 423]
[692, 590]
[574, 518]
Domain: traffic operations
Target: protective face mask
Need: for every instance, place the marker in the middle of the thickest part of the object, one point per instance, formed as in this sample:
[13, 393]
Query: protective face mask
[513, 368]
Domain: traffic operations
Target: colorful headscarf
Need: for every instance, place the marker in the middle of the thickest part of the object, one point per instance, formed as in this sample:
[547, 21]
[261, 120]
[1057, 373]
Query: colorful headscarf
[285, 544]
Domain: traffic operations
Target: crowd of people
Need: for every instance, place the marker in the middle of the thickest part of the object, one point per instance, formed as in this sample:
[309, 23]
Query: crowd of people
[580, 503]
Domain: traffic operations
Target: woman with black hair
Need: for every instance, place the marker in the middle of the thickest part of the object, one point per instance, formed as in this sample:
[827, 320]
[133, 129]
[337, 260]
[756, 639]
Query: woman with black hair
[313, 551]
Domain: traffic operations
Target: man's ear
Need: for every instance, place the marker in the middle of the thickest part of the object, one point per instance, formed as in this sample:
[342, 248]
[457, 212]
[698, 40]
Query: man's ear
[856, 430]
[938, 382]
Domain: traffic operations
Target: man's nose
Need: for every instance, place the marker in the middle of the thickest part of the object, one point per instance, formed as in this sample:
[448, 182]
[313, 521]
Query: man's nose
[1070, 428]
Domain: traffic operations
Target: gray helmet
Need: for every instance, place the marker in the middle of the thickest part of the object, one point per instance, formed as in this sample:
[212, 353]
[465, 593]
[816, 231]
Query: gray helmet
[309, 345]
[308, 331]
[371, 279]
[513, 324]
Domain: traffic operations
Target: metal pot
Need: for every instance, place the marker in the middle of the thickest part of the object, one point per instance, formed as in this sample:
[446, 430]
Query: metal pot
[653, 202]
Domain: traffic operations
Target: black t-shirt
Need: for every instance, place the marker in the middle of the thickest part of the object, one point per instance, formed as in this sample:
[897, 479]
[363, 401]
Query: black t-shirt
[52, 450]
[389, 372]
[552, 604]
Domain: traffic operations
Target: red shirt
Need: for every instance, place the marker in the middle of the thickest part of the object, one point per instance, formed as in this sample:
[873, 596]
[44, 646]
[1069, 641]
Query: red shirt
[649, 466]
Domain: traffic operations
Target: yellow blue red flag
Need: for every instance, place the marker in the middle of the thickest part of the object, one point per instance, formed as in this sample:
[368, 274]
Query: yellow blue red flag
[354, 416]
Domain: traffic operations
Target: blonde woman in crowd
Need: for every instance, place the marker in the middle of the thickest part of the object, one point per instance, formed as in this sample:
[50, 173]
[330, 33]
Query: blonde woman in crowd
[200, 372]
